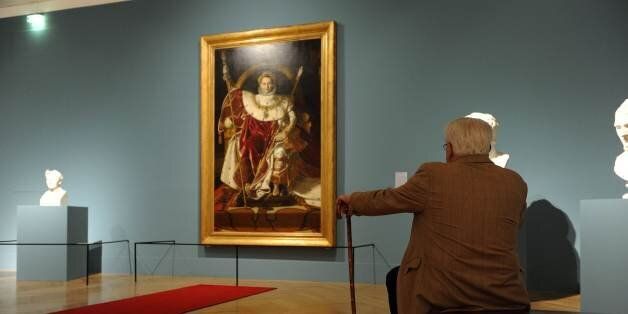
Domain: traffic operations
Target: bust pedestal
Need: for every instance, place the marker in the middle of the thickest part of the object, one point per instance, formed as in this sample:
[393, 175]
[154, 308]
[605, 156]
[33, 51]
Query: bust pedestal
[51, 224]
[604, 255]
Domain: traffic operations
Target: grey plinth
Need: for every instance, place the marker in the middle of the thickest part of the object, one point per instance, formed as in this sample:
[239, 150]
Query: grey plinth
[51, 224]
[604, 255]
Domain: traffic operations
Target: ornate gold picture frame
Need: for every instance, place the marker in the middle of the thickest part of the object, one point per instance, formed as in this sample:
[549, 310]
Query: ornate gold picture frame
[268, 137]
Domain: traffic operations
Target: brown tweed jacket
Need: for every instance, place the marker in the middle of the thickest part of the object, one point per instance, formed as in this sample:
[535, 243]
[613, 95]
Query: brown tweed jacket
[462, 252]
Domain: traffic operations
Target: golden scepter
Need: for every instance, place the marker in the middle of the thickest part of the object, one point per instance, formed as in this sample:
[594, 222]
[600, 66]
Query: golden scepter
[227, 78]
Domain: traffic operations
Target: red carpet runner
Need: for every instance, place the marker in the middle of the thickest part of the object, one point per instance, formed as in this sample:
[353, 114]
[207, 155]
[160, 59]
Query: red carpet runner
[172, 301]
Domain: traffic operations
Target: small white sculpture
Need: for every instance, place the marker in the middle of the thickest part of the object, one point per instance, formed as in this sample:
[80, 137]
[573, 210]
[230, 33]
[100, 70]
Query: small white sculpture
[621, 127]
[498, 158]
[55, 195]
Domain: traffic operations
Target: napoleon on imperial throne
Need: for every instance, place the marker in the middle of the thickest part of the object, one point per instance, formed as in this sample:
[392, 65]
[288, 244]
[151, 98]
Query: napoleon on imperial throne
[267, 181]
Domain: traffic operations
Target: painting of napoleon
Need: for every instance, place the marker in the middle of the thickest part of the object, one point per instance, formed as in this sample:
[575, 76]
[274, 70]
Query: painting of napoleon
[267, 147]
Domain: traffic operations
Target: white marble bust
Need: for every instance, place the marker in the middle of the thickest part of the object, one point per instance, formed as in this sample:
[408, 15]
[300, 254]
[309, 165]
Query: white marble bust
[621, 127]
[498, 158]
[55, 195]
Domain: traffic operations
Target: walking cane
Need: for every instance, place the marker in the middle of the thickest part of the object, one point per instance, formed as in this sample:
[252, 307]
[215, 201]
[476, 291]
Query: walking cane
[351, 265]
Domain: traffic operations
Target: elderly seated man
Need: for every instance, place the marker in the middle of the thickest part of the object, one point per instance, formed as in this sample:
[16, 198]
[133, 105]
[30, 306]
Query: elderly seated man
[462, 252]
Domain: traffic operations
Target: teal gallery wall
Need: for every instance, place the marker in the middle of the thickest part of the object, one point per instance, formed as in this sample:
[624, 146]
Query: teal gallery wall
[110, 96]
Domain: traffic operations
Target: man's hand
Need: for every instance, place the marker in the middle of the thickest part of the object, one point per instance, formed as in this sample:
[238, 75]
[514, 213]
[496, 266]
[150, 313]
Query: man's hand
[342, 206]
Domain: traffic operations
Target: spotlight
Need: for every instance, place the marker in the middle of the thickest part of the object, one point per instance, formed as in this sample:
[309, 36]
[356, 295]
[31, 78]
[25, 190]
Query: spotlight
[36, 21]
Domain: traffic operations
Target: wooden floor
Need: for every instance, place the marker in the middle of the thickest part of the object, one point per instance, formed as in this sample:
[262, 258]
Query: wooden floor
[289, 297]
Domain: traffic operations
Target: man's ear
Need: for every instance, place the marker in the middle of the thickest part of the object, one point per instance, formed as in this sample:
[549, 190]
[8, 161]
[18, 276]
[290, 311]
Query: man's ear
[449, 155]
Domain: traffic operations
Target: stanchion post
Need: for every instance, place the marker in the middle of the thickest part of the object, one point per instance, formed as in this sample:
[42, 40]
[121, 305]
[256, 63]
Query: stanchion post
[237, 266]
[128, 246]
[87, 265]
[135, 260]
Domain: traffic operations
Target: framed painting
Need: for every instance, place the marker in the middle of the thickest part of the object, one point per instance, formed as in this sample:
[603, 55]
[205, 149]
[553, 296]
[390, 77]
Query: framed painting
[268, 137]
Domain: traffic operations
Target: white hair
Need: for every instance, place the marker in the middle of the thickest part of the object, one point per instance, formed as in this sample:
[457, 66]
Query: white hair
[54, 173]
[621, 114]
[469, 136]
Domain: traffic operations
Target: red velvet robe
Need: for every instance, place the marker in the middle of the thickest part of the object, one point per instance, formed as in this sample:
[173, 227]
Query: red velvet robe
[255, 138]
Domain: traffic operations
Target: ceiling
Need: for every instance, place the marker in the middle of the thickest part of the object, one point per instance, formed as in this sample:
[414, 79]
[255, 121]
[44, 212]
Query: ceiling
[9, 8]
